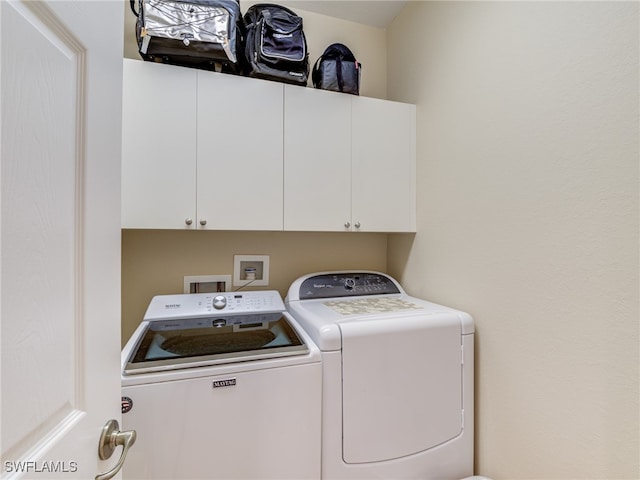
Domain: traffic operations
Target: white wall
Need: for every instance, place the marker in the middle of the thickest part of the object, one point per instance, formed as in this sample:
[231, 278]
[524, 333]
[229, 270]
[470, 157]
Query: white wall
[528, 219]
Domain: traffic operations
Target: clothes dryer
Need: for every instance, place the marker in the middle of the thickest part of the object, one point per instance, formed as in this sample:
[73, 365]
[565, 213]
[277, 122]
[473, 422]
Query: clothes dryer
[221, 386]
[397, 393]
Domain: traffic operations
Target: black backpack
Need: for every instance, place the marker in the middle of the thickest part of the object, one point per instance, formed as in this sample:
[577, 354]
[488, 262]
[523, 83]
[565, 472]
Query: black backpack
[276, 47]
[337, 70]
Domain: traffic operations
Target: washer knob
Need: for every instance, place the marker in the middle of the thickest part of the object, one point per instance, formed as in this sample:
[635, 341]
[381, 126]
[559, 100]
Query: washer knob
[219, 302]
[349, 283]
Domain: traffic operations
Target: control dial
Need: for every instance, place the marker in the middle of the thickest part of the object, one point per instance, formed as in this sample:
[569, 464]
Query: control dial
[219, 302]
[349, 283]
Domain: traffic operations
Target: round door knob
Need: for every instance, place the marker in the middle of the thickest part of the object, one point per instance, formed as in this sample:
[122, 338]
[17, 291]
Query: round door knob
[347, 224]
[188, 221]
[203, 222]
[357, 225]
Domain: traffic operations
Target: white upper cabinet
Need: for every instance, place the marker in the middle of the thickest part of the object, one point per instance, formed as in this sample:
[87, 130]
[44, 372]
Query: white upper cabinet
[349, 163]
[239, 151]
[203, 150]
[158, 146]
[383, 165]
[317, 160]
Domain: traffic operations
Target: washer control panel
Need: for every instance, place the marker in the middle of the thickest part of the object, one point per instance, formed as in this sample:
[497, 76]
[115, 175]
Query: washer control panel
[349, 284]
[173, 306]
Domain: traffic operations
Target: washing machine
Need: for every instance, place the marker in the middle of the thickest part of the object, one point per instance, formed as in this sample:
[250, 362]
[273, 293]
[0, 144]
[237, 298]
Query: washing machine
[221, 386]
[397, 392]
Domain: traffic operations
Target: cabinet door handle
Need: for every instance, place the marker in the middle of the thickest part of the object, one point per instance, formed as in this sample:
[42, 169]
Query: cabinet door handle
[357, 225]
[203, 222]
[188, 221]
[347, 224]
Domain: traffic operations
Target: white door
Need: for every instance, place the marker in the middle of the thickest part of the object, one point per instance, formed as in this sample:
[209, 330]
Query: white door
[60, 234]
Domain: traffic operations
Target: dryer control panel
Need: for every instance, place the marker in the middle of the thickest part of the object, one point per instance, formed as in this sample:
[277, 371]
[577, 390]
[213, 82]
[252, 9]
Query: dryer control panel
[347, 284]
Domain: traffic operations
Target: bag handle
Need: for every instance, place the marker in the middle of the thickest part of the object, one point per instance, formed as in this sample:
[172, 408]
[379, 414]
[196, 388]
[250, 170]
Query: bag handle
[315, 73]
[339, 74]
[339, 50]
[133, 7]
[282, 21]
[254, 12]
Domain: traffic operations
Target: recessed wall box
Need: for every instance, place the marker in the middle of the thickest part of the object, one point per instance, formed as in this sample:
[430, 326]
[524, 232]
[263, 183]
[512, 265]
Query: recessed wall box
[207, 283]
[251, 270]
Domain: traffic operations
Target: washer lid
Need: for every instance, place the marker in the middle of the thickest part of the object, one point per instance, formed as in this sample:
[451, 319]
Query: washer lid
[187, 342]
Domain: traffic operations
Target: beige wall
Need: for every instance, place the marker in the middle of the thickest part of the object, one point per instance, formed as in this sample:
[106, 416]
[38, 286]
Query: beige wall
[528, 219]
[369, 44]
[154, 262]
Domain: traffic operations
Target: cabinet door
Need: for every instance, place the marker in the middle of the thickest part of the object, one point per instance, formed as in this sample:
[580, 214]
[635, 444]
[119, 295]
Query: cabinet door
[239, 151]
[158, 146]
[383, 165]
[317, 160]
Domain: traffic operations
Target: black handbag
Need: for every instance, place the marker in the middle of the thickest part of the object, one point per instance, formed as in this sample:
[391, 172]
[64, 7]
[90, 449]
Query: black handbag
[338, 70]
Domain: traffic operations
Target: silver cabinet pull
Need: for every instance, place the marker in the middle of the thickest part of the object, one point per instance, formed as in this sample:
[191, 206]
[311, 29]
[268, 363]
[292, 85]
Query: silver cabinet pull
[347, 224]
[110, 438]
[203, 222]
[357, 225]
[188, 221]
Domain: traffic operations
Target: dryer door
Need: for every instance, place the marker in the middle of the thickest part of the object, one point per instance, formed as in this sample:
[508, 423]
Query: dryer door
[402, 385]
